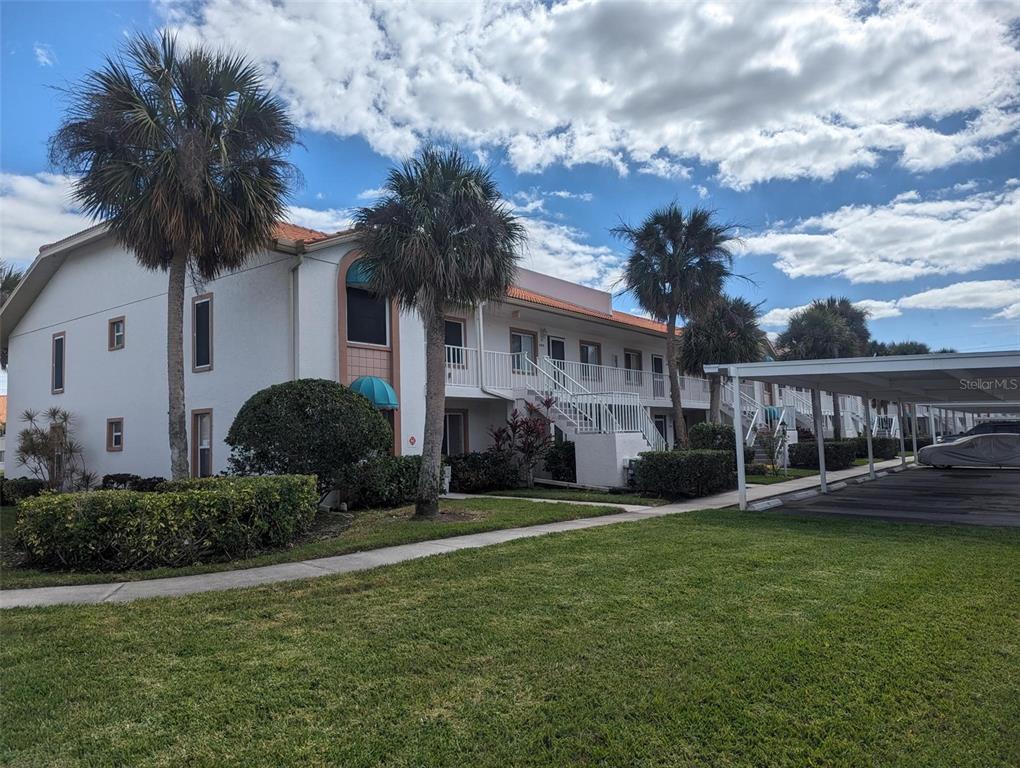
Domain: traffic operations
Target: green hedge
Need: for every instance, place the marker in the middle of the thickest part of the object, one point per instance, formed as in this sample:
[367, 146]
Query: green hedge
[188, 521]
[483, 471]
[839, 454]
[382, 481]
[882, 448]
[706, 436]
[14, 489]
[679, 474]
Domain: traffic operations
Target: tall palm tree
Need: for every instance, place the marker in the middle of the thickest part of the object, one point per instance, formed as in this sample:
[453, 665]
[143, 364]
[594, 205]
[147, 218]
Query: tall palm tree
[10, 276]
[727, 333]
[439, 239]
[183, 153]
[677, 265]
[827, 328]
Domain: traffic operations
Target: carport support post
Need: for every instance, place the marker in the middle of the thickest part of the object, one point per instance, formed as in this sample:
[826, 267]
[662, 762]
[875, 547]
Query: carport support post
[903, 443]
[816, 410]
[867, 435]
[913, 431]
[738, 431]
[931, 423]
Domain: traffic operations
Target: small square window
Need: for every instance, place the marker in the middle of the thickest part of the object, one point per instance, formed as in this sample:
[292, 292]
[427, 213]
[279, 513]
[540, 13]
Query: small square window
[115, 434]
[116, 333]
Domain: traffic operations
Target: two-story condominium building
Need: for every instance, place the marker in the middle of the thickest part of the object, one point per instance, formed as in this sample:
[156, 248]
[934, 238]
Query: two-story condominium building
[86, 331]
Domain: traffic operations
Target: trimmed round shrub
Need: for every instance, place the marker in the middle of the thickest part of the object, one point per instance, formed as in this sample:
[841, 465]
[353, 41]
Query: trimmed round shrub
[483, 471]
[711, 437]
[379, 481]
[188, 521]
[685, 474]
[839, 454]
[305, 427]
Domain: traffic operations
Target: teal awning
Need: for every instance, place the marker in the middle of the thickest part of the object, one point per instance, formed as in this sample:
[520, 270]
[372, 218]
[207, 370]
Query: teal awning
[379, 393]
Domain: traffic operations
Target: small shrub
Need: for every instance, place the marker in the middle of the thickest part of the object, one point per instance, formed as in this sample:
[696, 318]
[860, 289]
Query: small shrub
[882, 448]
[678, 474]
[483, 471]
[14, 489]
[711, 437]
[381, 481]
[561, 462]
[839, 454]
[128, 482]
[307, 427]
[188, 521]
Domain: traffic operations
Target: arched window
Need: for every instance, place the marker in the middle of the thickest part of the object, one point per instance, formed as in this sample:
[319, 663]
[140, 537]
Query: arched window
[368, 316]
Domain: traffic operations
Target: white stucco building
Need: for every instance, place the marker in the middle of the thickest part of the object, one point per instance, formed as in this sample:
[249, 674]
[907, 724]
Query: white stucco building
[86, 332]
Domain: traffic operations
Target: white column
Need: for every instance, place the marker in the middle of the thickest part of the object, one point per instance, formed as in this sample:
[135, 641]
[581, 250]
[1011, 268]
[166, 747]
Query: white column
[738, 431]
[816, 408]
[913, 431]
[867, 434]
[903, 444]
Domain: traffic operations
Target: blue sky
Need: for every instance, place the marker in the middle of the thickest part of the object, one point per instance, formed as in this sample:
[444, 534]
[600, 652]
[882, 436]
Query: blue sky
[865, 151]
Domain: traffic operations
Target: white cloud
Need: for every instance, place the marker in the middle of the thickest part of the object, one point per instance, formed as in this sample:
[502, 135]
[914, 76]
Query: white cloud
[562, 251]
[35, 210]
[902, 240]
[325, 220]
[44, 55]
[701, 190]
[371, 194]
[769, 90]
[585, 197]
[1003, 295]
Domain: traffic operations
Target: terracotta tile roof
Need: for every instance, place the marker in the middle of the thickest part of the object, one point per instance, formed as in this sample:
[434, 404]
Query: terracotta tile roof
[623, 318]
[287, 231]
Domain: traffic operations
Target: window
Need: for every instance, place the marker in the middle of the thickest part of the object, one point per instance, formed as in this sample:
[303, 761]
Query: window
[115, 334]
[524, 347]
[201, 443]
[455, 342]
[115, 434]
[202, 333]
[591, 357]
[632, 362]
[660, 425]
[57, 366]
[367, 317]
[455, 433]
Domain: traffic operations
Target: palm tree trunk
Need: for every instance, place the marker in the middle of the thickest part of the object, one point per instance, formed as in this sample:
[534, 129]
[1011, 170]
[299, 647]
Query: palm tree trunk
[679, 426]
[714, 398]
[175, 366]
[837, 418]
[427, 501]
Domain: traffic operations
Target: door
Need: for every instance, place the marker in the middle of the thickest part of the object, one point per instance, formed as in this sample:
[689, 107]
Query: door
[632, 362]
[658, 376]
[558, 354]
[660, 425]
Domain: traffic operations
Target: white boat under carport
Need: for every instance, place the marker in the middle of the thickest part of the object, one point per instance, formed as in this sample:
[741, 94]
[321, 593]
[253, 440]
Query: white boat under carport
[984, 382]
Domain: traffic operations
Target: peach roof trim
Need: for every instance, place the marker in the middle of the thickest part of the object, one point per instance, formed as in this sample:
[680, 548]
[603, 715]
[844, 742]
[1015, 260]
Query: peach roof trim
[286, 231]
[623, 318]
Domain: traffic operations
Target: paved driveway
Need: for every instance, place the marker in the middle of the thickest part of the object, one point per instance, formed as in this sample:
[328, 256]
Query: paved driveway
[969, 496]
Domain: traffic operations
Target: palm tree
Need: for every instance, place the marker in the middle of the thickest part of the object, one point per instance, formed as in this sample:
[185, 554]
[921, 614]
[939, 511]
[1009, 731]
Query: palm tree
[727, 333]
[676, 269]
[10, 276]
[182, 152]
[827, 328]
[439, 239]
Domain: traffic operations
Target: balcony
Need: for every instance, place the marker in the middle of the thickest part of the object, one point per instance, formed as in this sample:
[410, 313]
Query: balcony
[468, 369]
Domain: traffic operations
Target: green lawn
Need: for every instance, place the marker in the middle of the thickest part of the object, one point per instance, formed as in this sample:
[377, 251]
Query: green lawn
[782, 477]
[709, 639]
[574, 494]
[333, 534]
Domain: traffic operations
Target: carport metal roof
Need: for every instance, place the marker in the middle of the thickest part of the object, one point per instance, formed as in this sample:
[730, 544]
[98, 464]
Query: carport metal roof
[982, 380]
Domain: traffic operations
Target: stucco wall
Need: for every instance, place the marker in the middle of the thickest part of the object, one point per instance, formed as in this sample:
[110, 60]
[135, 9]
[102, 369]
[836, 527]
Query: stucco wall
[251, 330]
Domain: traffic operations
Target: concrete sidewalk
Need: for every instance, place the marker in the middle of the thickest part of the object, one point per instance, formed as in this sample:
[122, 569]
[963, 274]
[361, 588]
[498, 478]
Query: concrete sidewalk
[126, 591]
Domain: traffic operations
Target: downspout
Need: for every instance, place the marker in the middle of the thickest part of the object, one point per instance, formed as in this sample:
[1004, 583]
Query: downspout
[295, 321]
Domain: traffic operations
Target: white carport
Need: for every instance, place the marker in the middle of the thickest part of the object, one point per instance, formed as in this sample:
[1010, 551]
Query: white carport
[975, 382]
